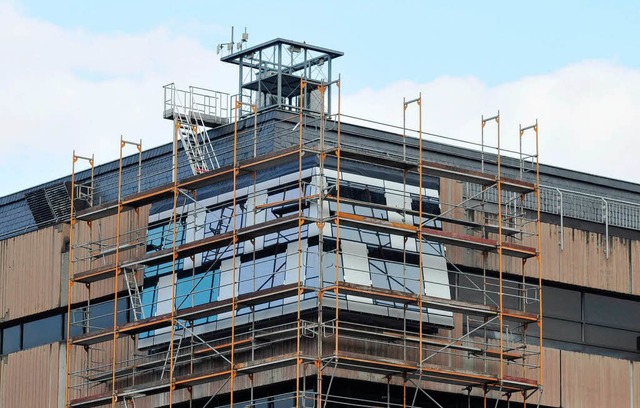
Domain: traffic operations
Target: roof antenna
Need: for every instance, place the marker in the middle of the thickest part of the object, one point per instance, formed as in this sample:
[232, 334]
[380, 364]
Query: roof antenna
[229, 45]
[244, 39]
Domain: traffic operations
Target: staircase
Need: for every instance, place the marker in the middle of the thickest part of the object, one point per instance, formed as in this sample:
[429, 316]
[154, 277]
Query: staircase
[194, 111]
[195, 142]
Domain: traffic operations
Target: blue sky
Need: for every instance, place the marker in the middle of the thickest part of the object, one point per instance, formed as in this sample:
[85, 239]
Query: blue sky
[495, 41]
[573, 65]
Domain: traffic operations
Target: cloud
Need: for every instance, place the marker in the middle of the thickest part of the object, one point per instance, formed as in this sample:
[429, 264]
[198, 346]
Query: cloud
[587, 113]
[65, 89]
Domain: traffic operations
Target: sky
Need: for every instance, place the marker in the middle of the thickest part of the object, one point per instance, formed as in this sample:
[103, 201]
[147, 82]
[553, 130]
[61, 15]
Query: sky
[79, 74]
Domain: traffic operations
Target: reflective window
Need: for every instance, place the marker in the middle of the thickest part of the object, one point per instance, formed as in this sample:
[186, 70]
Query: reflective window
[159, 237]
[563, 330]
[562, 303]
[609, 311]
[101, 315]
[610, 337]
[11, 339]
[42, 331]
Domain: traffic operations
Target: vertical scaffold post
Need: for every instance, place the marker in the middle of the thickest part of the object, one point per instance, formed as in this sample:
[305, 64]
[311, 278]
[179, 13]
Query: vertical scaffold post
[72, 223]
[535, 129]
[500, 237]
[117, 269]
[300, 223]
[337, 222]
[174, 256]
[419, 236]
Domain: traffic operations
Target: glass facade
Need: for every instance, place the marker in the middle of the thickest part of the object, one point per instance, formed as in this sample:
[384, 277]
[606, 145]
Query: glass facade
[277, 258]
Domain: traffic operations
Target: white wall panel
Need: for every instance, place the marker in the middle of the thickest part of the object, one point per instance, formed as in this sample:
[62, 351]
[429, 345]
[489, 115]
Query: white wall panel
[355, 259]
[436, 283]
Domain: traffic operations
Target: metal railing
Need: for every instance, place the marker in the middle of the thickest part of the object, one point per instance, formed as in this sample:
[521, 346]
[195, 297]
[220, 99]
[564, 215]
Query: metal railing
[574, 204]
[206, 102]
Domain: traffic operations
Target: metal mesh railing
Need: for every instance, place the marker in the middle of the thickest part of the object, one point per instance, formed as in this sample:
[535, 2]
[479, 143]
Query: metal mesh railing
[573, 204]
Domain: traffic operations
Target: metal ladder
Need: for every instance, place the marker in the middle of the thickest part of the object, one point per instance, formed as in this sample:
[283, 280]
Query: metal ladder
[195, 142]
[134, 293]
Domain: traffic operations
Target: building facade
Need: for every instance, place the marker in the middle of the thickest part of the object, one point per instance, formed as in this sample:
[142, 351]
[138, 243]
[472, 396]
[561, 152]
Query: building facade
[277, 254]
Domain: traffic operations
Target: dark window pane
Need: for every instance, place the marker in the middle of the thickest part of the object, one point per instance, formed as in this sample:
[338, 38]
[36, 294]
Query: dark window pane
[471, 288]
[608, 337]
[609, 311]
[557, 329]
[11, 339]
[43, 331]
[561, 303]
[101, 315]
[511, 294]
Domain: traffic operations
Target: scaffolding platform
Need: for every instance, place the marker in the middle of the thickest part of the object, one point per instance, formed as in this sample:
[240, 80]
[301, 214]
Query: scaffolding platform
[435, 235]
[435, 169]
[188, 249]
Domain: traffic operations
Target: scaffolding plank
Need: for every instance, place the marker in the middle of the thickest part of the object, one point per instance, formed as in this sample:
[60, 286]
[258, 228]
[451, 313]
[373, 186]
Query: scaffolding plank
[190, 248]
[431, 372]
[369, 157]
[98, 211]
[190, 313]
[477, 177]
[192, 182]
[91, 400]
[254, 164]
[507, 231]
[97, 400]
[432, 168]
[373, 292]
[435, 235]
[139, 326]
[95, 274]
[220, 306]
[495, 353]
[449, 305]
[148, 196]
[430, 341]
[374, 224]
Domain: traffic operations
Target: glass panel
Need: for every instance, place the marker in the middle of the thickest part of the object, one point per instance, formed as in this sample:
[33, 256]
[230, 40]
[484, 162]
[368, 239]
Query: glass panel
[11, 339]
[76, 329]
[43, 331]
[149, 300]
[101, 315]
[557, 329]
[161, 237]
[609, 311]
[562, 303]
[608, 337]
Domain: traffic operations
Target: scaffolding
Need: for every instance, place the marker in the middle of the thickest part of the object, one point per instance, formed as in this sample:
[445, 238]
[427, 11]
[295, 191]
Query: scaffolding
[323, 333]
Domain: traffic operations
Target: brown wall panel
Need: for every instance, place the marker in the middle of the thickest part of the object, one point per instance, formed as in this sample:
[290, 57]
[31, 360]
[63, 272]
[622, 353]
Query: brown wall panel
[30, 378]
[594, 381]
[93, 240]
[582, 260]
[550, 377]
[635, 391]
[634, 272]
[97, 360]
[30, 272]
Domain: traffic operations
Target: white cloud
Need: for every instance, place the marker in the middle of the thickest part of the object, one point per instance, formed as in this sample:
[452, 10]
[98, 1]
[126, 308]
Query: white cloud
[72, 89]
[587, 113]
[65, 89]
